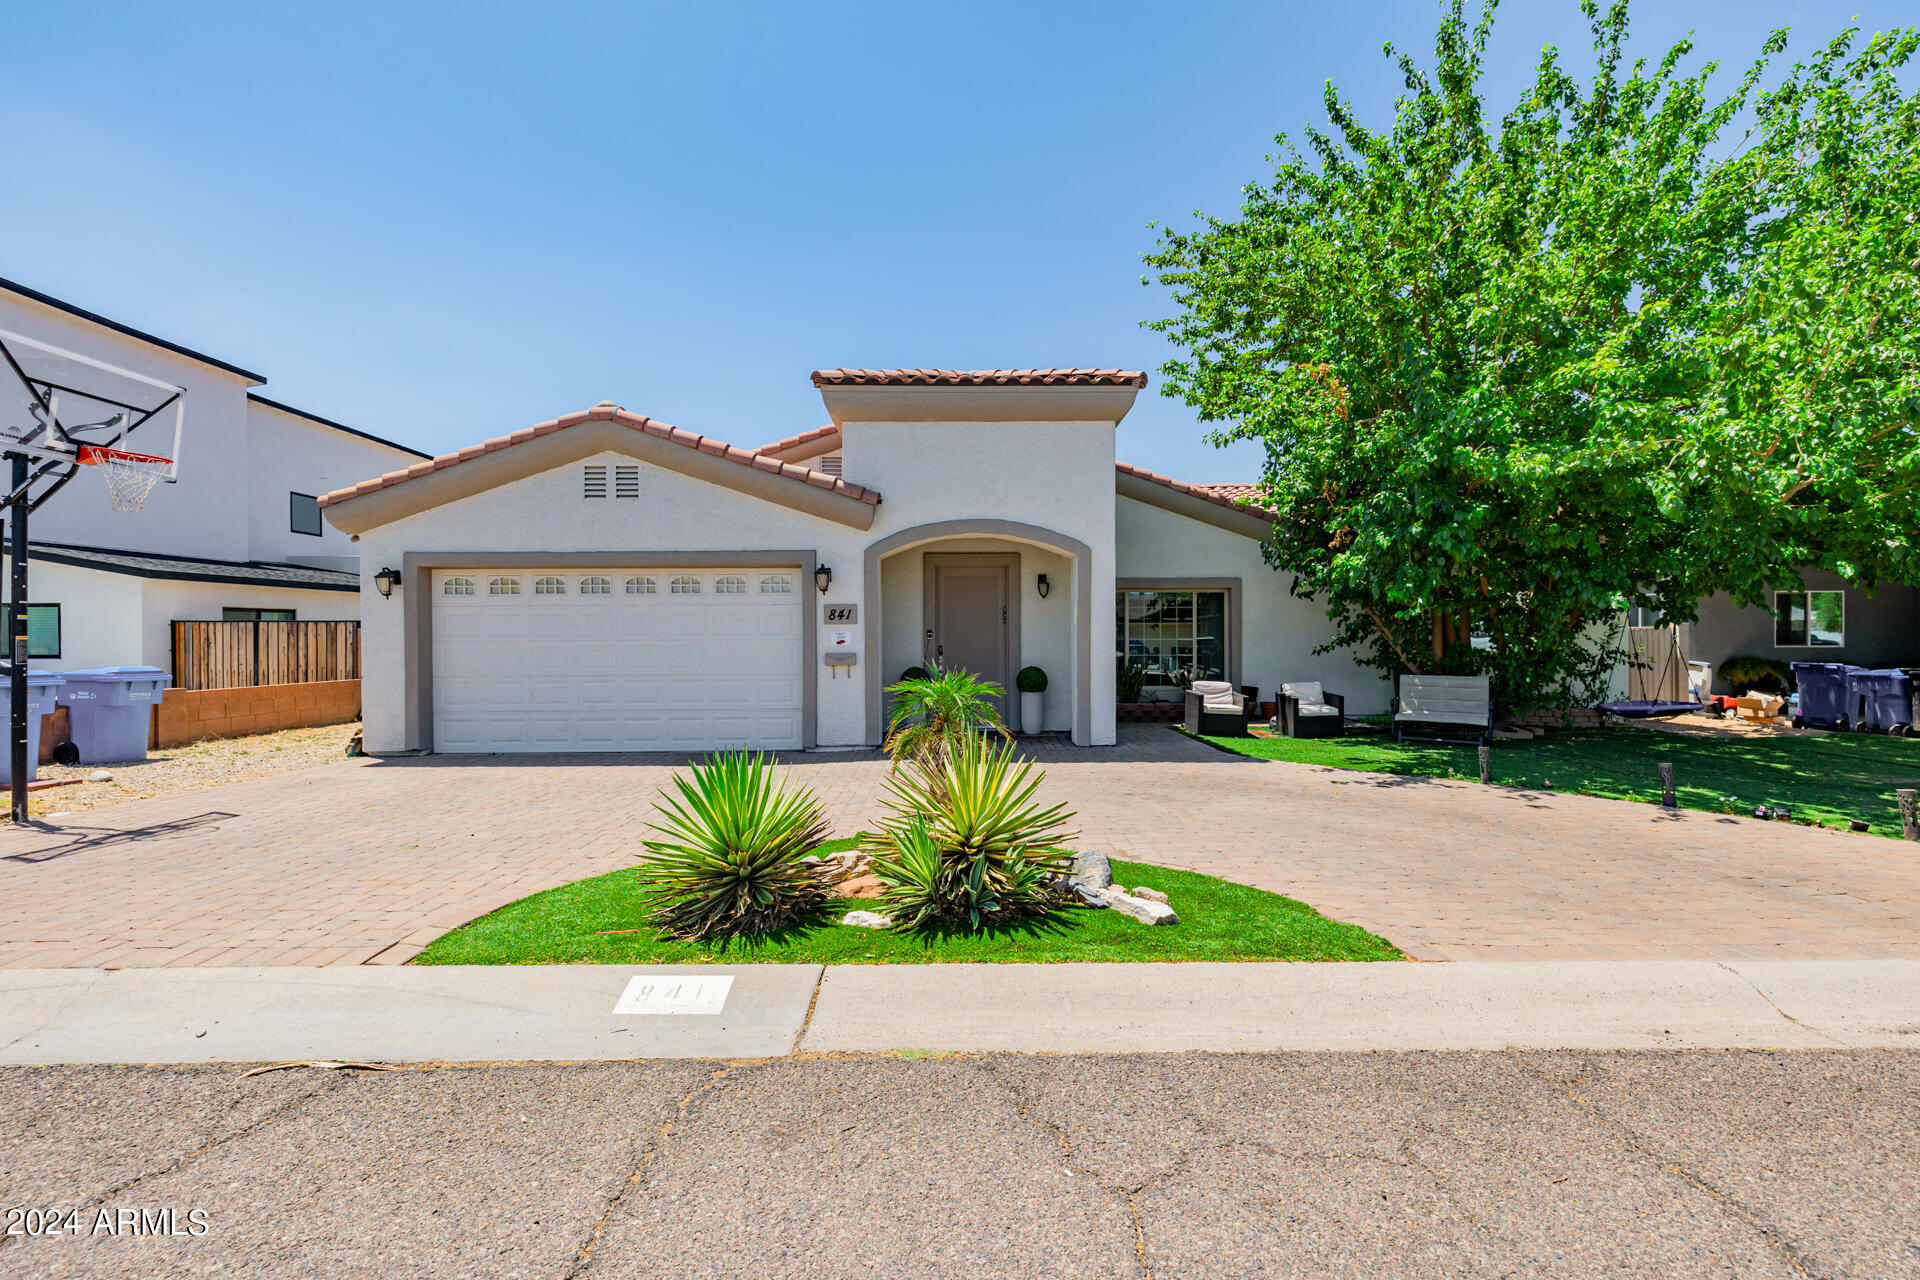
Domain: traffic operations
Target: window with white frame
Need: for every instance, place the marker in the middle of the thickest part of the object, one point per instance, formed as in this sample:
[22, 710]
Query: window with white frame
[503, 586]
[728, 584]
[592, 586]
[1177, 636]
[1809, 619]
[776, 584]
[457, 587]
[549, 586]
[640, 585]
[685, 585]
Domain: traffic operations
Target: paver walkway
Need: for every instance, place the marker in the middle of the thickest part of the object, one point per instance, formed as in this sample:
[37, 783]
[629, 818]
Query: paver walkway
[369, 862]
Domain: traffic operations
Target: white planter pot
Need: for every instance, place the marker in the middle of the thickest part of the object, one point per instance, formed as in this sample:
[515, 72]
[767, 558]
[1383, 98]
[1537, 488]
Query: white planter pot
[1033, 712]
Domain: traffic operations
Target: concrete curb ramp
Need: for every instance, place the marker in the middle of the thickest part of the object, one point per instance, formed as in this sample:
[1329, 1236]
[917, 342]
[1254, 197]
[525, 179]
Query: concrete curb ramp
[566, 1012]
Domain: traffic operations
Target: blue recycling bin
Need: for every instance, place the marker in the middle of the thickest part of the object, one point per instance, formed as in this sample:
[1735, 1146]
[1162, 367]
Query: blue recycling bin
[41, 688]
[110, 711]
[1823, 693]
[1880, 700]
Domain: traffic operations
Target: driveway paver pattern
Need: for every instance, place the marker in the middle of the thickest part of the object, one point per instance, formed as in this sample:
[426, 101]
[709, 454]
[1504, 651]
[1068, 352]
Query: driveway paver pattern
[369, 862]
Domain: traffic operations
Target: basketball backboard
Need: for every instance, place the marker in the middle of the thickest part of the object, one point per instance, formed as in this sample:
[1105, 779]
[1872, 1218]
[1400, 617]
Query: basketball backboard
[54, 401]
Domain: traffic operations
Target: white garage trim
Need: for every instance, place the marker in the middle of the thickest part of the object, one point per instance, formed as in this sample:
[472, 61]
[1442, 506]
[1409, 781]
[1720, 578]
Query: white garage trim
[417, 570]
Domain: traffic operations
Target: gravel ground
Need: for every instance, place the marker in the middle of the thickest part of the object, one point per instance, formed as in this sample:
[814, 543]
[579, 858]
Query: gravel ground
[191, 768]
[1365, 1165]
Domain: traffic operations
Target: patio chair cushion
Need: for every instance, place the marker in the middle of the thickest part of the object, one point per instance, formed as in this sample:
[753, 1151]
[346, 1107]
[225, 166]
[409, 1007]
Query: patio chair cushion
[1317, 709]
[1307, 691]
[1216, 693]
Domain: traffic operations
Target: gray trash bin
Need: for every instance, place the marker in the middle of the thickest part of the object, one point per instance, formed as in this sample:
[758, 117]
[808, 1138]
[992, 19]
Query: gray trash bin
[111, 711]
[41, 688]
[1883, 697]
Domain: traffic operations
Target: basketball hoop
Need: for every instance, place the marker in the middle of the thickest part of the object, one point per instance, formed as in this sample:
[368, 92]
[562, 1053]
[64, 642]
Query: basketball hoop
[130, 476]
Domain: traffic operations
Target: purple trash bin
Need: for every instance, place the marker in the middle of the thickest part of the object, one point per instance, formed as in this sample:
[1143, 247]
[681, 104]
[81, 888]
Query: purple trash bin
[110, 711]
[41, 688]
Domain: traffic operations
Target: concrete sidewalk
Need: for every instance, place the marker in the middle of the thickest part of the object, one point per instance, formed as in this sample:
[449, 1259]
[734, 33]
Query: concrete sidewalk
[599, 1012]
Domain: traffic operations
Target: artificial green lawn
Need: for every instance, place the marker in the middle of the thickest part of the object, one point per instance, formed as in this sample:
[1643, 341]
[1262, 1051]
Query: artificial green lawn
[1827, 778]
[1218, 921]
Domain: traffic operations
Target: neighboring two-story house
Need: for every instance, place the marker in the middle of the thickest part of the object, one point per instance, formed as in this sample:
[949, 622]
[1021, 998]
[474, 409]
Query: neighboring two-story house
[238, 536]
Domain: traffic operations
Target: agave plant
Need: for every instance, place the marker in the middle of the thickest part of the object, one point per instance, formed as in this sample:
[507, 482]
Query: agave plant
[965, 840]
[928, 715]
[729, 857]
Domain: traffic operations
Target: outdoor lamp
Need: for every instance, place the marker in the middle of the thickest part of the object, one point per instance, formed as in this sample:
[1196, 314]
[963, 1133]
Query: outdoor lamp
[1043, 586]
[386, 580]
[823, 578]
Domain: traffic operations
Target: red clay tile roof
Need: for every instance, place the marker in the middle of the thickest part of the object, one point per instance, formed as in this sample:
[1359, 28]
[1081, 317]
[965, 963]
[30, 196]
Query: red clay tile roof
[1207, 493]
[639, 422]
[1235, 491]
[805, 437]
[978, 378]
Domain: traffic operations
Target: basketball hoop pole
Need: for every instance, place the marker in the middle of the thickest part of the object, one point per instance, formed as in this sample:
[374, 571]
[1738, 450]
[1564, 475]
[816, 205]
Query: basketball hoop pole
[17, 634]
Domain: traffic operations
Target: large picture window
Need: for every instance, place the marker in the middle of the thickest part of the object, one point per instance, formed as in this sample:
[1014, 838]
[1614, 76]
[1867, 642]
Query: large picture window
[1178, 636]
[1809, 619]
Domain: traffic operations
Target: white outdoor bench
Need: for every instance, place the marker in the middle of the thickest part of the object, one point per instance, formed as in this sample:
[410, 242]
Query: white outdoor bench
[1466, 701]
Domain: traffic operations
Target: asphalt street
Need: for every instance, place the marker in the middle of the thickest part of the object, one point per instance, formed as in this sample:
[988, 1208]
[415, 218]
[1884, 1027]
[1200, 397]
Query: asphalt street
[1461, 1164]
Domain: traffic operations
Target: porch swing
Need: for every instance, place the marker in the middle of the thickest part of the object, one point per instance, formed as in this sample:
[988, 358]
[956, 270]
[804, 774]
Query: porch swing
[1674, 672]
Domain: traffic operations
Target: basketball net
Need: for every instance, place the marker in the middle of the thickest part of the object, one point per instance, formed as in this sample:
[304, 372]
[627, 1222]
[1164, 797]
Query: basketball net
[130, 476]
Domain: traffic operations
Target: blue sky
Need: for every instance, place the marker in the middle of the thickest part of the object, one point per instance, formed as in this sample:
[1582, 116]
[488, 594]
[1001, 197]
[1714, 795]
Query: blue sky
[444, 223]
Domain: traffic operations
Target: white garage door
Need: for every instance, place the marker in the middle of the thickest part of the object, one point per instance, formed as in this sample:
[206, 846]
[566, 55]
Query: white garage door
[616, 659]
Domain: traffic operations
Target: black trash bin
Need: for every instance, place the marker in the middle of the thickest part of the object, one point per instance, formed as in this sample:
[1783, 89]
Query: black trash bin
[1823, 694]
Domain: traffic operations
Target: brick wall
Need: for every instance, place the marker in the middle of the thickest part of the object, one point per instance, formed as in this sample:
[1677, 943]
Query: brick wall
[191, 715]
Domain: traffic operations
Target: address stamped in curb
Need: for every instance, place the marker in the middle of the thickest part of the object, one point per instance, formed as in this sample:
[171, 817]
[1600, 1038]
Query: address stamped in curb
[652, 993]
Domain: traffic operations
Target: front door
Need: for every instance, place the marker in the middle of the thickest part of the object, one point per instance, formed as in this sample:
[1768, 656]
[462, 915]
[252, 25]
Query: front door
[970, 615]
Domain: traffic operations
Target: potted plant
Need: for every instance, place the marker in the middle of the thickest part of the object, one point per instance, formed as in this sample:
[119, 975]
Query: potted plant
[1032, 683]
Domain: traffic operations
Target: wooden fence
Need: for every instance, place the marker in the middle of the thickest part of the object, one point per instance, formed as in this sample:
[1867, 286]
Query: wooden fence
[1656, 665]
[238, 655]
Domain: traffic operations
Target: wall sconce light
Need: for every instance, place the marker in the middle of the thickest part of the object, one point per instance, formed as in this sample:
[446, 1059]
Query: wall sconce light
[823, 578]
[1043, 586]
[386, 580]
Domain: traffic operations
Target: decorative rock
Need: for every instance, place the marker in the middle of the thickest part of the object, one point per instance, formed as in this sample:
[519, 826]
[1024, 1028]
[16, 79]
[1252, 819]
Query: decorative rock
[1090, 896]
[1140, 909]
[1151, 895]
[100, 775]
[867, 886]
[866, 920]
[845, 865]
[1091, 869]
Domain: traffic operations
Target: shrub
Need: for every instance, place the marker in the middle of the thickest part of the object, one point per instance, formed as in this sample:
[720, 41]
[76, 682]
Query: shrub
[729, 861]
[928, 714]
[1747, 672]
[1031, 680]
[1131, 682]
[964, 841]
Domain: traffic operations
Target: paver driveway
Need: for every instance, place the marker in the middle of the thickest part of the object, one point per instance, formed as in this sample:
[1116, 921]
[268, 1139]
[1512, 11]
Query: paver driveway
[368, 862]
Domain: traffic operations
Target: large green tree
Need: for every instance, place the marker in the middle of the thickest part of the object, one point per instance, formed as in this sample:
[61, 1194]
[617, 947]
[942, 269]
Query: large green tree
[1633, 342]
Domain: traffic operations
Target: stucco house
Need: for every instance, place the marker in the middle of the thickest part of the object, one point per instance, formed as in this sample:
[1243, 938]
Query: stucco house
[606, 582]
[238, 536]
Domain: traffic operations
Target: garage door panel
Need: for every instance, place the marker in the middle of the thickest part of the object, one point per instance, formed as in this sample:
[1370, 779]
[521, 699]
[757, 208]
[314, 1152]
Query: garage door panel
[558, 670]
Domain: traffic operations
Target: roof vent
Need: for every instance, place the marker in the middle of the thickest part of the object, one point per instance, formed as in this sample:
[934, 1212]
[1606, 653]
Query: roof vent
[595, 483]
[830, 463]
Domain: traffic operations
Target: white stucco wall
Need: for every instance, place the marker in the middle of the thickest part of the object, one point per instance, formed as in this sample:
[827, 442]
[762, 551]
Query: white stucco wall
[1055, 475]
[118, 620]
[205, 513]
[290, 454]
[1278, 631]
[545, 512]
[163, 602]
